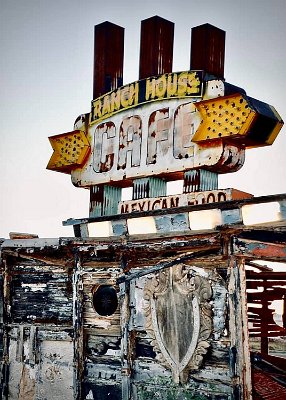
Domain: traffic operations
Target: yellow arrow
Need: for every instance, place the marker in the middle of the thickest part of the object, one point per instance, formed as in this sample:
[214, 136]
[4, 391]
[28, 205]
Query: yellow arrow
[70, 151]
[240, 118]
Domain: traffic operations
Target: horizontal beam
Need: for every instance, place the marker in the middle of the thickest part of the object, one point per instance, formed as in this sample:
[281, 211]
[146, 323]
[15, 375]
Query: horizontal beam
[223, 205]
[266, 284]
[162, 265]
[276, 294]
[259, 250]
[269, 335]
[258, 311]
[267, 276]
[256, 321]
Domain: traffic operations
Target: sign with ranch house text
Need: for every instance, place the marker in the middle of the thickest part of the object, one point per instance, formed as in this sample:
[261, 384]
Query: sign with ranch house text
[146, 129]
[163, 126]
[166, 126]
[173, 85]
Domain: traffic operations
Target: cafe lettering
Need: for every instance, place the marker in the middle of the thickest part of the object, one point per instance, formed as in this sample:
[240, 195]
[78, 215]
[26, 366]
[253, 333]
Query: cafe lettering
[164, 127]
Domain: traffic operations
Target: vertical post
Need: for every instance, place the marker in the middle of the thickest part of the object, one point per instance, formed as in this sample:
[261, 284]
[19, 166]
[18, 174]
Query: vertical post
[125, 348]
[238, 327]
[208, 49]
[108, 58]
[156, 47]
[6, 304]
[284, 312]
[78, 326]
[264, 323]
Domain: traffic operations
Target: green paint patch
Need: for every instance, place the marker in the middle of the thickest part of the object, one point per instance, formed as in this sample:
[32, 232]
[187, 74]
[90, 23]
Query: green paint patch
[165, 389]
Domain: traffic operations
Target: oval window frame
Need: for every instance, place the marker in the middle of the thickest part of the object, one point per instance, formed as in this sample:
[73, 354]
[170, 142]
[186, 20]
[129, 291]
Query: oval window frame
[98, 294]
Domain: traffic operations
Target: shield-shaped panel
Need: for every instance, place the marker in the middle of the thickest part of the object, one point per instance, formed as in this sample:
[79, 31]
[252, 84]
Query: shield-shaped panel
[178, 318]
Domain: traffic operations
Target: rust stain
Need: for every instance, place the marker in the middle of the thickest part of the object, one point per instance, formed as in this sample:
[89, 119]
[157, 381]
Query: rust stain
[27, 385]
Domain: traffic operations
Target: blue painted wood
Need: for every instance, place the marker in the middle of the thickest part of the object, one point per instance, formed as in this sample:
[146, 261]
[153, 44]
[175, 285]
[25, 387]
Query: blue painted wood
[172, 223]
[232, 216]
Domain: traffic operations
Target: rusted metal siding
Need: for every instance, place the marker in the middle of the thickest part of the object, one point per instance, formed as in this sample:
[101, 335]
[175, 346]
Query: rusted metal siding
[207, 49]
[108, 58]
[156, 48]
[104, 200]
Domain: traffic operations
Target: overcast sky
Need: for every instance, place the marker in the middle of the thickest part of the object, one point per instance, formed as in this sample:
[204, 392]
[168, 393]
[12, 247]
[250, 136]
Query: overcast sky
[46, 82]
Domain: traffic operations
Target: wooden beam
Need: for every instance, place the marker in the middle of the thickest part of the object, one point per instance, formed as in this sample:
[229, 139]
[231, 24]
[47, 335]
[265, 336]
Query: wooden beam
[268, 284]
[267, 275]
[259, 250]
[275, 294]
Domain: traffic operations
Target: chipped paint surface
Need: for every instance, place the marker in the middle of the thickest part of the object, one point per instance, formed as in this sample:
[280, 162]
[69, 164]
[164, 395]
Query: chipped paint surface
[261, 250]
[38, 367]
[70, 151]
[81, 354]
[179, 84]
[155, 141]
[187, 199]
[235, 116]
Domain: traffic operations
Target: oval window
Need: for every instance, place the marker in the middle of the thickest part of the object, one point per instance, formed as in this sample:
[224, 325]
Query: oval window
[105, 300]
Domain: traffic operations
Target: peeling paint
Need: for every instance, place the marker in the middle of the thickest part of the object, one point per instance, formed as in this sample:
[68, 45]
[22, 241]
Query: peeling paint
[59, 347]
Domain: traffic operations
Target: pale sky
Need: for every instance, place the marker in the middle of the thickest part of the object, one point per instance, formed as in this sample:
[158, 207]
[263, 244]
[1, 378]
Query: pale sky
[46, 82]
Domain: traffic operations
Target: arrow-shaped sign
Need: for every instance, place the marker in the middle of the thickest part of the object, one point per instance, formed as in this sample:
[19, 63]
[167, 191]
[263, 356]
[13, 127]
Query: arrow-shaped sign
[70, 151]
[240, 118]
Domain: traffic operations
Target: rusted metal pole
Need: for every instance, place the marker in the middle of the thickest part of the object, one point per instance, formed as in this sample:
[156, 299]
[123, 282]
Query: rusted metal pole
[208, 49]
[108, 58]
[156, 47]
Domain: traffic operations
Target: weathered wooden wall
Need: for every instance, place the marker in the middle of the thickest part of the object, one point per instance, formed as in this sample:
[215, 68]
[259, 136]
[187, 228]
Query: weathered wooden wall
[57, 347]
[170, 288]
[38, 323]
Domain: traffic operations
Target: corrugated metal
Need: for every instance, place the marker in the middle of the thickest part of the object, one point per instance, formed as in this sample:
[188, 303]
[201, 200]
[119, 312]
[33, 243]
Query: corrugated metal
[149, 187]
[104, 200]
[200, 180]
